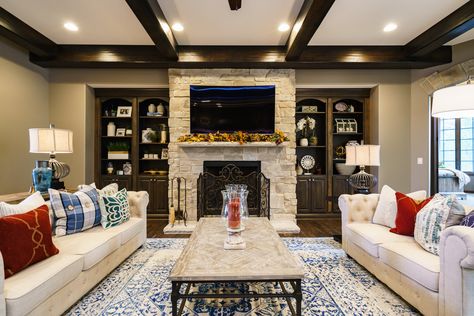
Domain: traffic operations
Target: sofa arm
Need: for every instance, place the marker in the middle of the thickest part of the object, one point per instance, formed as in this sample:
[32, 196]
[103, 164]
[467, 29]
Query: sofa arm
[456, 284]
[138, 202]
[357, 207]
[3, 311]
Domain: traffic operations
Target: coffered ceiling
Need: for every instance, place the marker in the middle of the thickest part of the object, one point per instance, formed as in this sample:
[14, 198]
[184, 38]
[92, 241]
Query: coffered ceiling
[210, 22]
[361, 22]
[319, 33]
[104, 22]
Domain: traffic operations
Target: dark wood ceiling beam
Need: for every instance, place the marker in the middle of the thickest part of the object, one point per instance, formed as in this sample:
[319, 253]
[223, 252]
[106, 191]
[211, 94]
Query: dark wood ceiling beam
[153, 20]
[25, 36]
[311, 16]
[235, 4]
[455, 24]
[272, 57]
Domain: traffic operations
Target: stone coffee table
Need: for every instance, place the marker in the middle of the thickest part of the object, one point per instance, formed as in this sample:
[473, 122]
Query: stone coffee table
[265, 259]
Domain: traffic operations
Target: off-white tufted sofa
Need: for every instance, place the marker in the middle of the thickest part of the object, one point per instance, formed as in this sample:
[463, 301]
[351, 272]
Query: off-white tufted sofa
[434, 285]
[51, 286]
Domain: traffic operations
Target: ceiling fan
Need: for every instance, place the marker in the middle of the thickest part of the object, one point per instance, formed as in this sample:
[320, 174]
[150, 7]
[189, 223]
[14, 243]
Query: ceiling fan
[235, 4]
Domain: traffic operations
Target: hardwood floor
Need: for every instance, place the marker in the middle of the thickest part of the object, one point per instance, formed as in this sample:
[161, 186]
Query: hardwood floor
[309, 228]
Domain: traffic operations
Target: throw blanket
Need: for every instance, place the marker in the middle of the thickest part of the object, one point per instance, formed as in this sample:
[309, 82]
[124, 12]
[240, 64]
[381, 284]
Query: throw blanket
[462, 176]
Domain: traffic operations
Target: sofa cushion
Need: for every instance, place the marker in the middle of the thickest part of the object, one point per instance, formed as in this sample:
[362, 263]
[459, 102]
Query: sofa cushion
[468, 220]
[75, 212]
[369, 236]
[442, 212]
[413, 261]
[25, 239]
[27, 289]
[116, 209]
[407, 208]
[109, 189]
[129, 229]
[386, 210]
[93, 246]
[33, 201]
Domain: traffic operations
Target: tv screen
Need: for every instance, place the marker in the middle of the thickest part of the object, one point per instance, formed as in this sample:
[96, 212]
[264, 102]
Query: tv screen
[235, 108]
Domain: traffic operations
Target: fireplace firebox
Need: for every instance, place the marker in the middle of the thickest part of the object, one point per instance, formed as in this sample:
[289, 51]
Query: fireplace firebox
[216, 174]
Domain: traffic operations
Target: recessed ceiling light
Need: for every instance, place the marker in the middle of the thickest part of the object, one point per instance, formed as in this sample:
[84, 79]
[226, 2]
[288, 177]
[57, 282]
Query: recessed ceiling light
[70, 26]
[178, 27]
[390, 27]
[283, 27]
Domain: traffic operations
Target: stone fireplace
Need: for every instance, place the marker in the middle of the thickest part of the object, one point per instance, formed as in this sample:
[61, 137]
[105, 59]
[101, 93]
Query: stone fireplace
[276, 162]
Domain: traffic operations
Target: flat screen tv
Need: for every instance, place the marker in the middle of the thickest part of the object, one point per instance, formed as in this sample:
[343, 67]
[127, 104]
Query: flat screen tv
[234, 108]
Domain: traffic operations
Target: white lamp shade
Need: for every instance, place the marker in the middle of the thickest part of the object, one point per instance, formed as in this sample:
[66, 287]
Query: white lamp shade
[454, 102]
[363, 155]
[50, 140]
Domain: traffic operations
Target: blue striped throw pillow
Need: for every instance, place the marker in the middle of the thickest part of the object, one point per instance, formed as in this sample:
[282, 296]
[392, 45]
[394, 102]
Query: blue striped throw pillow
[74, 212]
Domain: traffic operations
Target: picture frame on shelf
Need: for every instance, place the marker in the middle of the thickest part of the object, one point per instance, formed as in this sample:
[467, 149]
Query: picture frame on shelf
[164, 153]
[120, 132]
[124, 111]
[309, 108]
[127, 169]
[128, 132]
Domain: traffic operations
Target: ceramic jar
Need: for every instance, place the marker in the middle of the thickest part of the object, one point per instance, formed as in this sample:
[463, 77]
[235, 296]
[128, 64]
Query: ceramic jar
[151, 108]
[42, 176]
[304, 142]
[111, 129]
[299, 170]
[160, 109]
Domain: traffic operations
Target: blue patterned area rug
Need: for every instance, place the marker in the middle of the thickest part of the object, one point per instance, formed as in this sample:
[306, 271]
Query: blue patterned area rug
[333, 285]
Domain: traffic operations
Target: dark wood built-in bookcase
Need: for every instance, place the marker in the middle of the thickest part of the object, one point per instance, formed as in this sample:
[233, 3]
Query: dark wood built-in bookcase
[149, 173]
[317, 193]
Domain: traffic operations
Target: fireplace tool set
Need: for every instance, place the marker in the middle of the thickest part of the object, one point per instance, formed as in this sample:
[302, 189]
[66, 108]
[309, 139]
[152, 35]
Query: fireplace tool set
[178, 214]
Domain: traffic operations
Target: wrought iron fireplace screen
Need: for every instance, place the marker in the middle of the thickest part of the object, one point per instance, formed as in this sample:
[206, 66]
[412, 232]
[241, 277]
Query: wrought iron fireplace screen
[210, 186]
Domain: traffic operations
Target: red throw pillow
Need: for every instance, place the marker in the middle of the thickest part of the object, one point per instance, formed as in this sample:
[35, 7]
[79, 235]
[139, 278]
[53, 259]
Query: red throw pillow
[25, 239]
[407, 208]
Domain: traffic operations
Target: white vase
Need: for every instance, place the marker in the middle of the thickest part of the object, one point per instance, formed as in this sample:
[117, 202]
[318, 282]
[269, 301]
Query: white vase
[163, 137]
[299, 170]
[151, 108]
[303, 142]
[111, 129]
[160, 109]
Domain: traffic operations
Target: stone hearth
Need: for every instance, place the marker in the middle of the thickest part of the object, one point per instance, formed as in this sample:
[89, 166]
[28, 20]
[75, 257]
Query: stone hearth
[277, 162]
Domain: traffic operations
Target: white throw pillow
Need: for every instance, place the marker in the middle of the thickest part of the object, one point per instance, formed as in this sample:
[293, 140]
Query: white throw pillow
[109, 189]
[386, 210]
[30, 203]
[441, 212]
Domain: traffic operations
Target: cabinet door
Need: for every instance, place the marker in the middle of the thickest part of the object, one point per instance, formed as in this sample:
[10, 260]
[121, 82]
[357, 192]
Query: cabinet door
[122, 181]
[339, 186]
[303, 195]
[160, 192]
[146, 184]
[318, 195]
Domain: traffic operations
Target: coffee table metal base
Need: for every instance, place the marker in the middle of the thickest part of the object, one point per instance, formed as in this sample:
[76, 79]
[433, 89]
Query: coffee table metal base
[296, 294]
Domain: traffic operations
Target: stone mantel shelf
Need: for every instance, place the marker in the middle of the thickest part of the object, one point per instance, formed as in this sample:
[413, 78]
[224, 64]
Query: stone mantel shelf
[231, 144]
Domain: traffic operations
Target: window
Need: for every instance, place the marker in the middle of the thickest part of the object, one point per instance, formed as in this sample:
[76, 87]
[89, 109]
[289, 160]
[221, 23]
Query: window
[455, 147]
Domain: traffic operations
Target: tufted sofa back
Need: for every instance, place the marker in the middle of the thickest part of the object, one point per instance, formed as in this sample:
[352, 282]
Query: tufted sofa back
[358, 207]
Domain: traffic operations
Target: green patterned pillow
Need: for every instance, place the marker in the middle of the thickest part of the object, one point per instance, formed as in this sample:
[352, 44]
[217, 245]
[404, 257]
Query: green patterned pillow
[436, 216]
[116, 209]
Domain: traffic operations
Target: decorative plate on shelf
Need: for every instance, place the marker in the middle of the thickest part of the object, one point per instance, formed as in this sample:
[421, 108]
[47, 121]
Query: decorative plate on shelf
[307, 162]
[341, 107]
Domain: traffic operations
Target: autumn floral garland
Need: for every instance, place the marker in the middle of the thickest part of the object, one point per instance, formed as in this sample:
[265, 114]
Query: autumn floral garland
[241, 137]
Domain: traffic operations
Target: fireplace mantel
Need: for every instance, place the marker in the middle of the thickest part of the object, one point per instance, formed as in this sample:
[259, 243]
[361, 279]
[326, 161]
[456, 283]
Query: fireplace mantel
[231, 144]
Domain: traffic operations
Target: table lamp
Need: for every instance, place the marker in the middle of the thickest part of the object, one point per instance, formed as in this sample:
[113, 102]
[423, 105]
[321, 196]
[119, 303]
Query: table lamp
[52, 141]
[363, 155]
